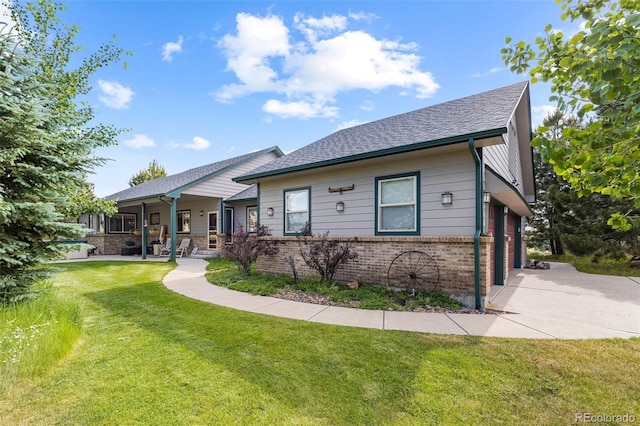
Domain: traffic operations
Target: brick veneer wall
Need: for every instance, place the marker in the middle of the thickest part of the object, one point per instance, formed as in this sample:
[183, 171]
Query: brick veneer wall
[453, 255]
[112, 243]
[199, 241]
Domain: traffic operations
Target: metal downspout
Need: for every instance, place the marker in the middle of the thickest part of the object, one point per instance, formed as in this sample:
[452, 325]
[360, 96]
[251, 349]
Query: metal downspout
[476, 235]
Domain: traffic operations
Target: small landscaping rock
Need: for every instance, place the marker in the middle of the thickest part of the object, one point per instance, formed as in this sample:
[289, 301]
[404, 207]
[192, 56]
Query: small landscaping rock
[300, 296]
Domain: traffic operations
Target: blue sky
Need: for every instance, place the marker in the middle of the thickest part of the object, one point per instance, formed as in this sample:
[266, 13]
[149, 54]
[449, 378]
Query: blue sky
[209, 80]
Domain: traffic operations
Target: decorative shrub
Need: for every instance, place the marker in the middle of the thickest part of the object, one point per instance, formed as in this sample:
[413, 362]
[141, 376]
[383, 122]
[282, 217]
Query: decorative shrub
[324, 255]
[246, 248]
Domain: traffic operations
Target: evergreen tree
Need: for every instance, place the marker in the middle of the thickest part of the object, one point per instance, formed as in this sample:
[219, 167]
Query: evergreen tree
[564, 219]
[154, 171]
[553, 192]
[46, 142]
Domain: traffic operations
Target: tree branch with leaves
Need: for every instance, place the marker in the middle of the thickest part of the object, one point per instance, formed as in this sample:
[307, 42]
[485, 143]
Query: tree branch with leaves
[594, 73]
[154, 171]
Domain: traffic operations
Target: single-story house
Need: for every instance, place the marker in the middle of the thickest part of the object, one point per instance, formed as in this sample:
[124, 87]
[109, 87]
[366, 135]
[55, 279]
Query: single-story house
[439, 194]
[186, 205]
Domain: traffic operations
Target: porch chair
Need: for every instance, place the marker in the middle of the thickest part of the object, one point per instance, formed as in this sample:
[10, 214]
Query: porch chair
[166, 250]
[184, 245]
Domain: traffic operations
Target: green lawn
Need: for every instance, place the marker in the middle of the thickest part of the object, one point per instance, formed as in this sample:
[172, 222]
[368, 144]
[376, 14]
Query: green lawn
[148, 356]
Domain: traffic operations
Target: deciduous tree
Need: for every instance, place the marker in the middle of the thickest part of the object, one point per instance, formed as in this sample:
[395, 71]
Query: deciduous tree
[594, 72]
[154, 171]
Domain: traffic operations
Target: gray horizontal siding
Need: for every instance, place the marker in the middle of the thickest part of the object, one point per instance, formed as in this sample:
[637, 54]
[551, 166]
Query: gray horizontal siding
[453, 172]
[505, 158]
[221, 185]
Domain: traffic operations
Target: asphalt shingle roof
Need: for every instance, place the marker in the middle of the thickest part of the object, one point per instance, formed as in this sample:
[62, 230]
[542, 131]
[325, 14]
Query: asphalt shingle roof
[484, 114]
[250, 193]
[179, 181]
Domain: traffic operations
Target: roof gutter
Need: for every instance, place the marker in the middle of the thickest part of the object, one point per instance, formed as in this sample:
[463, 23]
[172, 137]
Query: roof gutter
[476, 235]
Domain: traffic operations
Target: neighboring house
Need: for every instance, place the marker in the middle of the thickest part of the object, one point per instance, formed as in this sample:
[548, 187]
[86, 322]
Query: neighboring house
[452, 181]
[187, 205]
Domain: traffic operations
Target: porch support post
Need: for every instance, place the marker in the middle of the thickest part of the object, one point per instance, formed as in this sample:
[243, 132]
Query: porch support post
[144, 231]
[174, 214]
[221, 229]
[476, 235]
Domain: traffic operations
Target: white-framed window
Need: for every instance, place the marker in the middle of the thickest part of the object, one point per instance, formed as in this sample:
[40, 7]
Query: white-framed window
[252, 219]
[398, 204]
[183, 221]
[123, 223]
[297, 209]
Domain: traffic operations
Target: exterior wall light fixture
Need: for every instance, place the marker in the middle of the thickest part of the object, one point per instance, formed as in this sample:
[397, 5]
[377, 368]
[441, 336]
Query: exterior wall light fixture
[486, 197]
[201, 213]
[446, 198]
[270, 211]
[339, 206]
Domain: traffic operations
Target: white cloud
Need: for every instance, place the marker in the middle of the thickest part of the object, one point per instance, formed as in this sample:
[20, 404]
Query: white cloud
[299, 109]
[356, 60]
[309, 73]
[363, 16]
[114, 94]
[140, 141]
[350, 123]
[198, 144]
[539, 113]
[491, 71]
[313, 28]
[170, 48]
[367, 106]
[248, 54]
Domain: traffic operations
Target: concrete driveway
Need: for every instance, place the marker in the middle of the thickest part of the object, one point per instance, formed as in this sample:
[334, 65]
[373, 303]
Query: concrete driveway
[565, 303]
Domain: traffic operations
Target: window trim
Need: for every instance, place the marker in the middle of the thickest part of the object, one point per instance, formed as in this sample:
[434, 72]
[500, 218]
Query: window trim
[177, 220]
[248, 229]
[416, 188]
[122, 214]
[285, 231]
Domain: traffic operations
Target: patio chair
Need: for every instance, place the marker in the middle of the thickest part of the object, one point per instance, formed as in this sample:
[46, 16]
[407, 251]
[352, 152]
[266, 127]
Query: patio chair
[166, 250]
[184, 245]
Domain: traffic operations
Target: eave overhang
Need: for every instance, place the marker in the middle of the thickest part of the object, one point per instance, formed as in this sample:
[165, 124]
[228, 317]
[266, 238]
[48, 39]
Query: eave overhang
[484, 138]
[507, 194]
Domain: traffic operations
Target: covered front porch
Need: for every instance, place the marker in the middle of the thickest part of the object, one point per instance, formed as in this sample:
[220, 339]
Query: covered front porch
[162, 221]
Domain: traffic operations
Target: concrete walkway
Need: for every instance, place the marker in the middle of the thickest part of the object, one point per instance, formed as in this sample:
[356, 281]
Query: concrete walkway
[557, 303]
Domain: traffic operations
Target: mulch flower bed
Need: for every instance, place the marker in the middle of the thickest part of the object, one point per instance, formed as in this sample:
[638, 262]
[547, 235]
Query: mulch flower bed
[300, 296]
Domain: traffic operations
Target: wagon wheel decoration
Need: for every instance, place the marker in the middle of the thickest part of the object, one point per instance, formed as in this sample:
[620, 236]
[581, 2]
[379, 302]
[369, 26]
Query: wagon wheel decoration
[411, 270]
